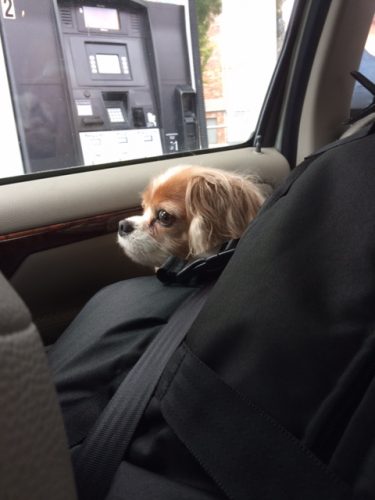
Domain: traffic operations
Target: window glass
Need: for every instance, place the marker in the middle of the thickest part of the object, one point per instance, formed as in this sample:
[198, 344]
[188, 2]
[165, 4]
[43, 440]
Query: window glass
[212, 130]
[85, 83]
[362, 97]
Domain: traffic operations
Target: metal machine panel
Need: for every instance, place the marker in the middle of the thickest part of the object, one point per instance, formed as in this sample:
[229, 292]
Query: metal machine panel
[100, 82]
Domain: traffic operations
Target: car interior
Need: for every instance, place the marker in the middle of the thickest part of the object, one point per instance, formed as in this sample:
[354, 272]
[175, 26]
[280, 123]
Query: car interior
[58, 226]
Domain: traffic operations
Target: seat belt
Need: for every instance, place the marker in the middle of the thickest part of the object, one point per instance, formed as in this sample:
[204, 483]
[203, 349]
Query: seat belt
[103, 449]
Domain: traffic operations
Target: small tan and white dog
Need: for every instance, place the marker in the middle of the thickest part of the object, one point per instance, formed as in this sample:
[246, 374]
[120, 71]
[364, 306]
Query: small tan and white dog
[189, 212]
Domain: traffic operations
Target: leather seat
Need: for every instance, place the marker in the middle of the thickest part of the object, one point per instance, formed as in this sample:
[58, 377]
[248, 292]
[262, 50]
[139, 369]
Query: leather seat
[34, 458]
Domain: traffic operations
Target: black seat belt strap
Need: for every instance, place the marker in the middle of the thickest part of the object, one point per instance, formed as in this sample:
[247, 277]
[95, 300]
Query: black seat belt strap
[103, 449]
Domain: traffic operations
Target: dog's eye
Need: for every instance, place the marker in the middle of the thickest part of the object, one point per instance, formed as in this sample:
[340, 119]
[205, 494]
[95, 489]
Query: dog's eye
[164, 217]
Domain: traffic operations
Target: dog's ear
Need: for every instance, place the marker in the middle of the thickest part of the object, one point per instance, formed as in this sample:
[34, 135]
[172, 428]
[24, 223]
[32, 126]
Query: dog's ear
[220, 206]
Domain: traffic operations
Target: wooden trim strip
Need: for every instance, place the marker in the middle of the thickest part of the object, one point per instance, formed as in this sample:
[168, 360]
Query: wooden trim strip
[17, 246]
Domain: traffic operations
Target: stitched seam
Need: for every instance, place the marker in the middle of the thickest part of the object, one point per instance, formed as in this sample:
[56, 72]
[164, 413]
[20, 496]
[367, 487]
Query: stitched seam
[279, 427]
[164, 385]
[204, 467]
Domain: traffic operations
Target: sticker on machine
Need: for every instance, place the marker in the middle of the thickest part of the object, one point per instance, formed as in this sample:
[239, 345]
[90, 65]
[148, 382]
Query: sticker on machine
[8, 9]
[119, 145]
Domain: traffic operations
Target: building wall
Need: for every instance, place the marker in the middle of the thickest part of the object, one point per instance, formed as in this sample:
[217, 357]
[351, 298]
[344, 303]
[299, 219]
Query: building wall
[213, 89]
[236, 77]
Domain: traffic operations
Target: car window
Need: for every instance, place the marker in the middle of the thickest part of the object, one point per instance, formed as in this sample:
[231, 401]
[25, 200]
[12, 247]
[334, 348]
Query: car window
[362, 96]
[85, 83]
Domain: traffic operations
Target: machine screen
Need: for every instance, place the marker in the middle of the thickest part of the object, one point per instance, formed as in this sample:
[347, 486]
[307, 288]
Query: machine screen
[108, 64]
[101, 18]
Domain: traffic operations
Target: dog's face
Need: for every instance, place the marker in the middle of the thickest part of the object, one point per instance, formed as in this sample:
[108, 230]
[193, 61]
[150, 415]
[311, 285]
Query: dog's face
[189, 212]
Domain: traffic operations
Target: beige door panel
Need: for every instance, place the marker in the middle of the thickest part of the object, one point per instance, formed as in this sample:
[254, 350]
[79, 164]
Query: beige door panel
[41, 202]
[55, 283]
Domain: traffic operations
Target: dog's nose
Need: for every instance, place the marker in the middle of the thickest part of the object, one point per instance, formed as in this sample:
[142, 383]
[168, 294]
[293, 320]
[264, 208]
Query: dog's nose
[125, 227]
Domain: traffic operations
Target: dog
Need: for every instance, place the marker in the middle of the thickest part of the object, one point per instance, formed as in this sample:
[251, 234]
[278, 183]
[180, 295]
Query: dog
[189, 212]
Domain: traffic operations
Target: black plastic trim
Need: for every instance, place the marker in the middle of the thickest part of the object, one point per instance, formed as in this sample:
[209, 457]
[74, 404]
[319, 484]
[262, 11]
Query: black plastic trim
[268, 122]
[315, 13]
[309, 43]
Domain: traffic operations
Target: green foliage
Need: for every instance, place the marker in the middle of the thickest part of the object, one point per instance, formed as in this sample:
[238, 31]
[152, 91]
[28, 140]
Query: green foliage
[206, 12]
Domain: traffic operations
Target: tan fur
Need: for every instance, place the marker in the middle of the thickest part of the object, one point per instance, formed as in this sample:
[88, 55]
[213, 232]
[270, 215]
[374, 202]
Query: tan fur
[208, 207]
[220, 206]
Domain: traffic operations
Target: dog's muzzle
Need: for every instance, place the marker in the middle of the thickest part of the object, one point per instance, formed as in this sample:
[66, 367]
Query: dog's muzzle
[125, 227]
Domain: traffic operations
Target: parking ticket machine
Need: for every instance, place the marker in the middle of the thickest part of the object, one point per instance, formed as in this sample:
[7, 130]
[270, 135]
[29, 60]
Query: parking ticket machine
[102, 82]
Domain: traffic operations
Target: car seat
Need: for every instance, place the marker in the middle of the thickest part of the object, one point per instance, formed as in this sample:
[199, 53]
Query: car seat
[34, 459]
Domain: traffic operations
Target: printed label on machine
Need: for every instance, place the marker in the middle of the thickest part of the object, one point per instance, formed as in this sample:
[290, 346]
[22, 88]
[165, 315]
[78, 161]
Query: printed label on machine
[119, 145]
[8, 9]
[84, 107]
